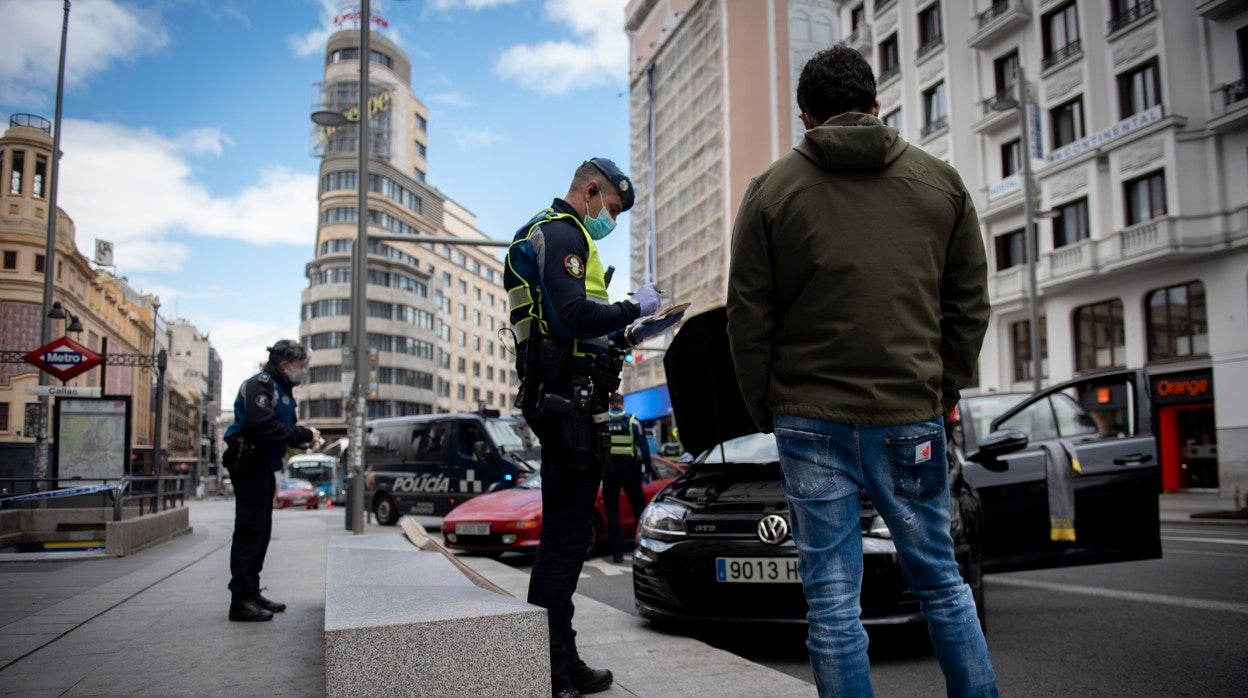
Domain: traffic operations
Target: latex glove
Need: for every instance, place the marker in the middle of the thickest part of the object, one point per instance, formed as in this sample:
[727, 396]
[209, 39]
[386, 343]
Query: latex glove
[647, 479]
[641, 330]
[648, 298]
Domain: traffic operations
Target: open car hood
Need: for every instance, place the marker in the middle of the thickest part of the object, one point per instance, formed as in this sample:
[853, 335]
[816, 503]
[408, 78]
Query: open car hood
[702, 383]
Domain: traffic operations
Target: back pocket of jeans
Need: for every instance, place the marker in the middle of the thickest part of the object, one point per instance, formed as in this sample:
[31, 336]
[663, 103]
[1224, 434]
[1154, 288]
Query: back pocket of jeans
[805, 470]
[918, 465]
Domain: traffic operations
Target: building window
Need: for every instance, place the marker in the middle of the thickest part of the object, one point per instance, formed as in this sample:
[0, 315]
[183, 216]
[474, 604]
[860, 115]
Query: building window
[930, 34]
[935, 116]
[39, 264]
[1127, 12]
[1146, 197]
[1178, 323]
[1011, 250]
[1070, 224]
[421, 149]
[1021, 339]
[15, 175]
[1011, 157]
[1139, 89]
[1060, 29]
[890, 58]
[1005, 72]
[823, 30]
[10, 260]
[422, 123]
[476, 369]
[857, 17]
[1067, 122]
[893, 118]
[801, 26]
[460, 391]
[41, 174]
[1099, 338]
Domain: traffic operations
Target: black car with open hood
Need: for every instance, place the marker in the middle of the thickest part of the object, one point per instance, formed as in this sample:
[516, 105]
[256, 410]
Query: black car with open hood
[715, 544]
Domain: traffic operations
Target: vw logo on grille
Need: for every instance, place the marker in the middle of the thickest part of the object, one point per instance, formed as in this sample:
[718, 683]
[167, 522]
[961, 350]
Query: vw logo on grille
[773, 530]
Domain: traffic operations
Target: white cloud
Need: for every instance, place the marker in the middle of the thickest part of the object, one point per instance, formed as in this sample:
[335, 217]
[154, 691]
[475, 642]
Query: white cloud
[451, 99]
[474, 5]
[467, 138]
[313, 41]
[138, 189]
[101, 33]
[597, 56]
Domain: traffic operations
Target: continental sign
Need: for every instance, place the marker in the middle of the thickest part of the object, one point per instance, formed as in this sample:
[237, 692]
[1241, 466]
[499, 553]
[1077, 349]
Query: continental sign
[378, 103]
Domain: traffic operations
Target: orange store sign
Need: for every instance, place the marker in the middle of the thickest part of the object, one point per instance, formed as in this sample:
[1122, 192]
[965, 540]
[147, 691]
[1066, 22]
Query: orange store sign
[1182, 388]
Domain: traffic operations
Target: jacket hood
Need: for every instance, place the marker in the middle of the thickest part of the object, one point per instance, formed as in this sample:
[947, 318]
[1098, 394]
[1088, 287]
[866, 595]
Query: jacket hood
[852, 141]
[702, 383]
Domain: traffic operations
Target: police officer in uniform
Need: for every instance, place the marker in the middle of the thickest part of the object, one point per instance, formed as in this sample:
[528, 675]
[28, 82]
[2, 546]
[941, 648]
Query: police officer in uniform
[264, 427]
[628, 446]
[569, 354]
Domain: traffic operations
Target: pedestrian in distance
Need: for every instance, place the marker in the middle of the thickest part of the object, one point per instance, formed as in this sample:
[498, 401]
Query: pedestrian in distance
[857, 303]
[630, 458]
[264, 427]
[570, 342]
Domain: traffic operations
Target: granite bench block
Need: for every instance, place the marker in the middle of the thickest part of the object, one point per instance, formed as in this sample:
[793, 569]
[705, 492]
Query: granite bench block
[402, 621]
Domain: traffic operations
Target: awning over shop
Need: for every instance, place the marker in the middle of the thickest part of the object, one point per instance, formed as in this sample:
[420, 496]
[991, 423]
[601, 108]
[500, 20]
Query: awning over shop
[648, 404]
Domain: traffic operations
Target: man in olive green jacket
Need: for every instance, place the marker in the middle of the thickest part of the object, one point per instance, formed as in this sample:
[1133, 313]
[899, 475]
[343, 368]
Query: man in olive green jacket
[857, 303]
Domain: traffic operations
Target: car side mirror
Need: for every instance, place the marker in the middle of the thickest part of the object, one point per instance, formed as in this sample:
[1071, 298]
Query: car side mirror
[997, 444]
[480, 451]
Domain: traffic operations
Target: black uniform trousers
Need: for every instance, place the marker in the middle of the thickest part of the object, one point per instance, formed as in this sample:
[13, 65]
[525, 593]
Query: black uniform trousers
[623, 473]
[254, 487]
[567, 507]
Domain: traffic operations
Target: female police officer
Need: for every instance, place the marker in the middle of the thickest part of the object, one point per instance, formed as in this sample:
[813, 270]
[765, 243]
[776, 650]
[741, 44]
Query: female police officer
[264, 426]
[568, 366]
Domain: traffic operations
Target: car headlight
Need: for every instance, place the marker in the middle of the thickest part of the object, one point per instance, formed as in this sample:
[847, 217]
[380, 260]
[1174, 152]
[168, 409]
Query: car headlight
[664, 521]
[879, 529]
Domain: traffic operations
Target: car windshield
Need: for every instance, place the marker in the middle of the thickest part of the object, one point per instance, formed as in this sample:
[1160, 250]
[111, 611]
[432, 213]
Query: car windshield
[752, 448]
[315, 471]
[514, 436]
[296, 485]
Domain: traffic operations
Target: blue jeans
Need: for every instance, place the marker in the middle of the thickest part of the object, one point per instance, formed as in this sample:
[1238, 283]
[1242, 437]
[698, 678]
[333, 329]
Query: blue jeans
[904, 471]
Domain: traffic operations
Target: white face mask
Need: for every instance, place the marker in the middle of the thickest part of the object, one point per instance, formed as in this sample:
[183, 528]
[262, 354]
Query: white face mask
[295, 375]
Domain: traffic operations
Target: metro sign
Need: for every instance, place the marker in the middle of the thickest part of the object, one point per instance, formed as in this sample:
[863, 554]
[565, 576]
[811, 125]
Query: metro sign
[64, 358]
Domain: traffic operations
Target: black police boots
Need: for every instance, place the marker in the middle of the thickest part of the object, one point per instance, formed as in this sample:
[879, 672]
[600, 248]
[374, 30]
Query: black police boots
[246, 609]
[271, 606]
[587, 680]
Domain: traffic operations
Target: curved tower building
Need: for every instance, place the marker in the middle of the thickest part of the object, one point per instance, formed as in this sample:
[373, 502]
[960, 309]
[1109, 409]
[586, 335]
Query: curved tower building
[433, 310]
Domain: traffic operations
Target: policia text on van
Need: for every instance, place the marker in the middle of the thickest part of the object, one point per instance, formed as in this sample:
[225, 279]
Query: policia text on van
[428, 464]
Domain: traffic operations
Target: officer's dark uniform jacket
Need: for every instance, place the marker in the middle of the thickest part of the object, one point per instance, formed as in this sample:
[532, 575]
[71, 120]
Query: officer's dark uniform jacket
[264, 418]
[557, 291]
[628, 444]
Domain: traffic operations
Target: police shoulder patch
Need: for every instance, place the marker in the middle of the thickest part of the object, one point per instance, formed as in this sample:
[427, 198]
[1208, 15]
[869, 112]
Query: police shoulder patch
[263, 378]
[262, 401]
[574, 266]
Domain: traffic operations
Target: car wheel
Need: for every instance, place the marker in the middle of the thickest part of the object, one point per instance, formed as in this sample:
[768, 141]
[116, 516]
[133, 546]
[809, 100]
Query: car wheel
[386, 512]
[595, 536]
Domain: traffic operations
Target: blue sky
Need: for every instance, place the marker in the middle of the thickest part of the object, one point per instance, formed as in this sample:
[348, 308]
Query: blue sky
[186, 135]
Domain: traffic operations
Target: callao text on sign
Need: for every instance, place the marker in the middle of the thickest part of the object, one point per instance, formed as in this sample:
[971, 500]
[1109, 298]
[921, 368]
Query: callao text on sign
[64, 358]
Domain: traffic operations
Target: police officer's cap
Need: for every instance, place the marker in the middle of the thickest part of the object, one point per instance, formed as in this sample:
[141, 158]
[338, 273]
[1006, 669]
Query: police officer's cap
[287, 350]
[618, 179]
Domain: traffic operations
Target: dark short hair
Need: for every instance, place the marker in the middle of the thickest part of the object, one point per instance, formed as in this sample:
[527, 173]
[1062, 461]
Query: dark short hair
[615, 397]
[287, 350]
[835, 81]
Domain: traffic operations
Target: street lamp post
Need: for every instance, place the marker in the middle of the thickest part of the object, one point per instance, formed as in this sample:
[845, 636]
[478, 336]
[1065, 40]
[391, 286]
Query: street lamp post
[1029, 233]
[49, 257]
[1029, 219]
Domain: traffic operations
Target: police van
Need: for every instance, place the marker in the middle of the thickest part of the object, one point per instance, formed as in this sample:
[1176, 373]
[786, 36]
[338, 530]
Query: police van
[429, 464]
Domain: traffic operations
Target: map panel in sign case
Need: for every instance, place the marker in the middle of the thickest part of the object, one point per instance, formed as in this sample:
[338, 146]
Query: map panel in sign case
[91, 439]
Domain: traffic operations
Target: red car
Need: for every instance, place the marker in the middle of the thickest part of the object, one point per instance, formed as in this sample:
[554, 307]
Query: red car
[511, 519]
[295, 493]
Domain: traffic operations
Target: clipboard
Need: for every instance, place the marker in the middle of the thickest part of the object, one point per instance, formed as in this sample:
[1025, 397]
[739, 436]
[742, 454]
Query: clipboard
[670, 310]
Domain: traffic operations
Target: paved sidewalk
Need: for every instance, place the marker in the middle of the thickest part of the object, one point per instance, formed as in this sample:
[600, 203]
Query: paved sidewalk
[154, 624]
[1178, 507]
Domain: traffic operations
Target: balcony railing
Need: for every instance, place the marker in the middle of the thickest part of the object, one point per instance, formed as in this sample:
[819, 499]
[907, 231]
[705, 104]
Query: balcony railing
[1235, 92]
[1004, 100]
[1061, 54]
[934, 126]
[31, 121]
[888, 74]
[860, 39]
[998, 8]
[932, 44]
[882, 4]
[1131, 16]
